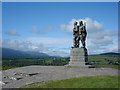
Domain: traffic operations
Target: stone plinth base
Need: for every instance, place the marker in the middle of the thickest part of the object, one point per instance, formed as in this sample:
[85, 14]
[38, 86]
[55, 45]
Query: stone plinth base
[78, 57]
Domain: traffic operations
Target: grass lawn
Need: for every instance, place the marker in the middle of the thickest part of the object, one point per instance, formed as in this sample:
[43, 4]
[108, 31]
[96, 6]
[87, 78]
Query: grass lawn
[81, 82]
[7, 67]
[108, 66]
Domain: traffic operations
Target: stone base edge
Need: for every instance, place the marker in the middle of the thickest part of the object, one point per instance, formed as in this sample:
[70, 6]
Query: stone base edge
[72, 65]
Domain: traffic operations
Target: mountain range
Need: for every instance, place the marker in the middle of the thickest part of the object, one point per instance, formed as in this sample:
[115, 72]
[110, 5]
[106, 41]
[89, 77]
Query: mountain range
[110, 53]
[11, 53]
[7, 52]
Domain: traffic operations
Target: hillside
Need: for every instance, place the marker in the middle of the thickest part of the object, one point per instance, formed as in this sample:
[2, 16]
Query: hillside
[10, 54]
[110, 53]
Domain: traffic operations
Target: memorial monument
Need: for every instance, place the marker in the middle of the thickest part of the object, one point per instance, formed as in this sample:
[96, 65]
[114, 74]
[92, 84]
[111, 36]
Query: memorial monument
[79, 55]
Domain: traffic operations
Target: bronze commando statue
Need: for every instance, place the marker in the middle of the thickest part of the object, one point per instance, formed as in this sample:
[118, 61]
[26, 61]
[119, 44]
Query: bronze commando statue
[79, 33]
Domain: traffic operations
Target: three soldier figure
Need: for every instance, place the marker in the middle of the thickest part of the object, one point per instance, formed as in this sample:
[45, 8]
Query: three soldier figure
[79, 32]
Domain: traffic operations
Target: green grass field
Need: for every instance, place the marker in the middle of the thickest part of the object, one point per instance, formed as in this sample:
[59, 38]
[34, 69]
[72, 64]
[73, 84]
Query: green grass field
[6, 67]
[108, 66]
[110, 61]
[81, 82]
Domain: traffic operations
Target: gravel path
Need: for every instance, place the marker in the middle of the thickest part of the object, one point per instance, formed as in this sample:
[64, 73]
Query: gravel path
[18, 77]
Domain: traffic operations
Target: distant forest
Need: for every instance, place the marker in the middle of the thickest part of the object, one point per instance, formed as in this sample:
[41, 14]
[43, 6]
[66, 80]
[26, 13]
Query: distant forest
[92, 59]
[13, 58]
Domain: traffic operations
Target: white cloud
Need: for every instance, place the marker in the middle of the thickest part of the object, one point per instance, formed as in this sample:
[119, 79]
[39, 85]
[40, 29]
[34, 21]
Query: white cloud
[56, 53]
[33, 47]
[39, 44]
[46, 40]
[35, 30]
[103, 41]
[98, 39]
[91, 25]
[12, 33]
[112, 49]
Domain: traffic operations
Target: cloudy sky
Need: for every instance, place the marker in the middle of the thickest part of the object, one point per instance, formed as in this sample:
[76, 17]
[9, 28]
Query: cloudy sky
[47, 27]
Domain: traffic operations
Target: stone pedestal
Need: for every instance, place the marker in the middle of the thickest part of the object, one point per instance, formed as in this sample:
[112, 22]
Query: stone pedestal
[78, 57]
